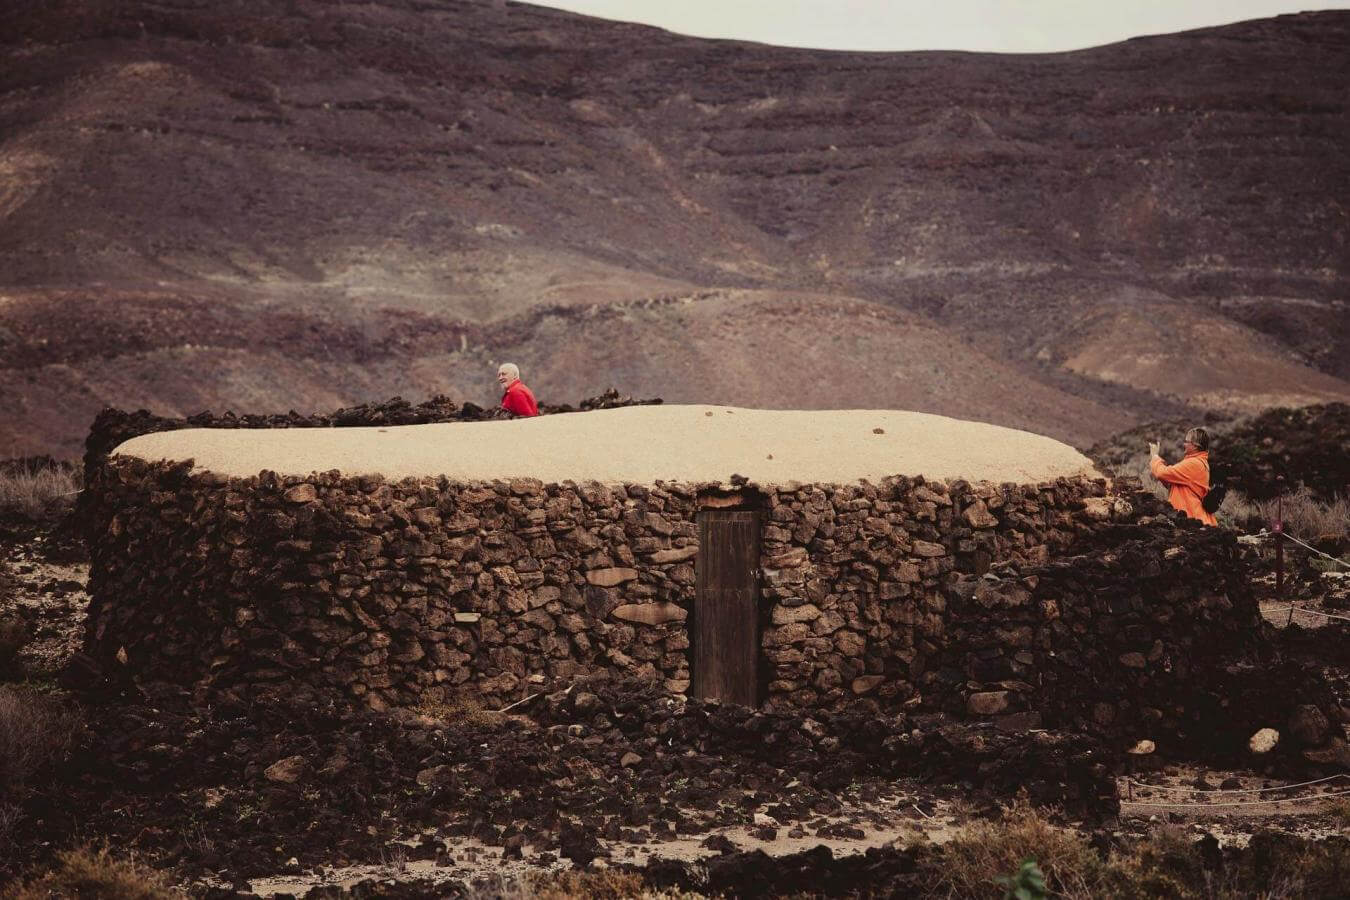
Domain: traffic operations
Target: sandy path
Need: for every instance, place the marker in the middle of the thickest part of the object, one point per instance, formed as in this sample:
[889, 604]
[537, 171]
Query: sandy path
[641, 444]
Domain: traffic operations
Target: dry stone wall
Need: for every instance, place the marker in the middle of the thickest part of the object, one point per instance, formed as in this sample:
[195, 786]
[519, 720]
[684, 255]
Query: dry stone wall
[388, 593]
[855, 576]
[933, 596]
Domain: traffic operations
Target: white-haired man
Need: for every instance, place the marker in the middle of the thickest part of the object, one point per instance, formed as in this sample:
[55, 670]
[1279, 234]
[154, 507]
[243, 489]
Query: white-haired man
[517, 399]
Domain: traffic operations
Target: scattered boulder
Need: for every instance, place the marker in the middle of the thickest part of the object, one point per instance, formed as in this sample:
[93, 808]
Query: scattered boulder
[1308, 725]
[1264, 741]
[287, 771]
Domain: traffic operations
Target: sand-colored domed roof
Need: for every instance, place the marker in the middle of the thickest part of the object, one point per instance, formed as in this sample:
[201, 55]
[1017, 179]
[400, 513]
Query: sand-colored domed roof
[641, 444]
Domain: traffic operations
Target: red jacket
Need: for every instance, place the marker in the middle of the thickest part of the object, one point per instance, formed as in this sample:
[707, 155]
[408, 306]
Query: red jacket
[1187, 483]
[519, 400]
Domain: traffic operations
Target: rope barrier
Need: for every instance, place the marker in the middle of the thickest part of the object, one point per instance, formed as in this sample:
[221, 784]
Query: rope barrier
[1318, 552]
[1266, 536]
[1286, 787]
[1311, 612]
[1313, 797]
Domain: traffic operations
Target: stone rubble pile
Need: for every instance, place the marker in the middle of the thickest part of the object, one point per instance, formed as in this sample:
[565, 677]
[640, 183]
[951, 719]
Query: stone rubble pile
[612, 759]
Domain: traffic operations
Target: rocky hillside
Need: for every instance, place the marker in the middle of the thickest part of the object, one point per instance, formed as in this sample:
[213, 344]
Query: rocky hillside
[310, 205]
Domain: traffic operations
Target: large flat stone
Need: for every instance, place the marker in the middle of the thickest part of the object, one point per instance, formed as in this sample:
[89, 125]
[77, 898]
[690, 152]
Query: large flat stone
[674, 555]
[611, 576]
[786, 615]
[987, 703]
[650, 613]
[865, 683]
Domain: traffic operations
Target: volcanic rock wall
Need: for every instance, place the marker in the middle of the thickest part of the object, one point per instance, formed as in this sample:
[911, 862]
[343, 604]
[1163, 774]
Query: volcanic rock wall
[953, 597]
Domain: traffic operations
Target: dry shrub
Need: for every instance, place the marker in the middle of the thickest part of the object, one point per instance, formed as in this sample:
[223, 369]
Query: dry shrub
[1165, 864]
[1307, 518]
[86, 873]
[1280, 865]
[11, 814]
[13, 638]
[1238, 512]
[38, 492]
[35, 730]
[573, 885]
[1137, 466]
[971, 863]
[462, 709]
[1275, 865]
[604, 885]
[1303, 514]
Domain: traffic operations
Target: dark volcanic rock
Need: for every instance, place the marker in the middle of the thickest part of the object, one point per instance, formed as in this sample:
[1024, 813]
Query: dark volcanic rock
[112, 427]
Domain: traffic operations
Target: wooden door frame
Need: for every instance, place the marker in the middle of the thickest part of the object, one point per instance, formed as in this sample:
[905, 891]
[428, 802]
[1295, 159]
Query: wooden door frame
[749, 500]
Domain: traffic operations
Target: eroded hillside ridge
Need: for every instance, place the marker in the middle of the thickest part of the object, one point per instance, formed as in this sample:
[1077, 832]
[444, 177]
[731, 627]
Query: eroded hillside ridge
[365, 592]
[1063, 242]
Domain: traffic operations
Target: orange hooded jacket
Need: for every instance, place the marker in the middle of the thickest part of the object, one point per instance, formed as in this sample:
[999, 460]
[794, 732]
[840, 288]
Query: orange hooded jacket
[1187, 483]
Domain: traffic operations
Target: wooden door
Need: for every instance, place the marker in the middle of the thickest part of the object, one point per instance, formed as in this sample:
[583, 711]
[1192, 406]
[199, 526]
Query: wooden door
[726, 606]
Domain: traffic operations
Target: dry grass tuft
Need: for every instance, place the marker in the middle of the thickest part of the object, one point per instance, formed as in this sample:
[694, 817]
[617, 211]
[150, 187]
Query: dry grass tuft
[1168, 863]
[1308, 518]
[1137, 467]
[973, 861]
[38, 492]
[463, 710]
[13, 638]
[573, 885]
[86, 873]
[604, 885]
[36, 730]
[1303, 514]
[1165, 864]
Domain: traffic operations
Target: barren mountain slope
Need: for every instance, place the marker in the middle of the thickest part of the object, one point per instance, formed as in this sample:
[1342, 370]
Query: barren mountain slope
[263, 206]
[753, 348]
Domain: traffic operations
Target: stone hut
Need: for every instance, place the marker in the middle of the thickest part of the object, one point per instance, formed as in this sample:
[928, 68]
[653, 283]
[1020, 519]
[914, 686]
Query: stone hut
[807, 559]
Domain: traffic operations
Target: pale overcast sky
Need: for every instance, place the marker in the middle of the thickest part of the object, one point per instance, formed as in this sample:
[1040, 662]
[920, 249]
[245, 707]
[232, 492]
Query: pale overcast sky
[1005, 26]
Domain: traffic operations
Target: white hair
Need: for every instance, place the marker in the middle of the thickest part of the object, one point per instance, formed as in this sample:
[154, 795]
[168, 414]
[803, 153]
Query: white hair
[510, 369]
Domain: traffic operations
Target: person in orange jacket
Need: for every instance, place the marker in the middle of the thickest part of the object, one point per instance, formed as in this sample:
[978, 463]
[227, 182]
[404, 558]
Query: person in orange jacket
[517, 399]
[1187, 481]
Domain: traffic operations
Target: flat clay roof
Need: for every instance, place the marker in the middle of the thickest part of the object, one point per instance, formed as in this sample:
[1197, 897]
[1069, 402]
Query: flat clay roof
[640, 444]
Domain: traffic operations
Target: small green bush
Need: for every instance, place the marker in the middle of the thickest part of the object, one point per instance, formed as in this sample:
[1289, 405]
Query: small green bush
[1027, 883]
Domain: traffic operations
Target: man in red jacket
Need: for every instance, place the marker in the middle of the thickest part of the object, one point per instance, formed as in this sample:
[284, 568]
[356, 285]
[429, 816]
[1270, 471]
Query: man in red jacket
[517, 399]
